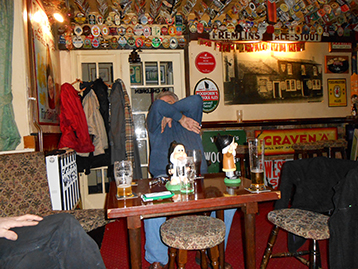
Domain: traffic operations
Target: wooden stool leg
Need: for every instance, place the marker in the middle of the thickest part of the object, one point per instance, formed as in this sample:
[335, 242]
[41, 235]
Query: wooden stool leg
[204, 262]
[182, 258]
[271, 242]
[172, 256]
[214, 254]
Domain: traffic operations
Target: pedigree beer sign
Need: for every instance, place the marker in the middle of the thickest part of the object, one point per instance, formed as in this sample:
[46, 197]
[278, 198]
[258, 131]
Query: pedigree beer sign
[279, 142]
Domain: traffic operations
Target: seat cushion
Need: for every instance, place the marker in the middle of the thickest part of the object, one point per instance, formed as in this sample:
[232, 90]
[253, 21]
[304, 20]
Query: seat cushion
[307, 224]
[193, 232]
[89, 219]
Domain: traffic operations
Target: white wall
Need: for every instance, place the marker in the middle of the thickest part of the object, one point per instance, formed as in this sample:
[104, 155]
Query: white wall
[269, 111]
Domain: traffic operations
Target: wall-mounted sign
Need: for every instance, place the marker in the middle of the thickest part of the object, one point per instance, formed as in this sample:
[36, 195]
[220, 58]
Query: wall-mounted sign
[209, 91]
[205, 62]
[279, 142]
[340, 47]
[337, 92]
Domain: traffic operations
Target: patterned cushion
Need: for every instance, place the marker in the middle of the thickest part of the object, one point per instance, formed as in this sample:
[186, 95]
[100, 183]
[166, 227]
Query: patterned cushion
[23, 184]
[339, 143]
[24, 190]
[307, 224]
[89, 219]
[193, 232]
[242, 149]
[308, 146]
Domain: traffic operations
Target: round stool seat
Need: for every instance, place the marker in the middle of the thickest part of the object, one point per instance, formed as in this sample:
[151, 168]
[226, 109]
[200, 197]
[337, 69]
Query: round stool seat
[242, 149]
[308, 224]
[193, 232]
[339, 143]
[308, 146]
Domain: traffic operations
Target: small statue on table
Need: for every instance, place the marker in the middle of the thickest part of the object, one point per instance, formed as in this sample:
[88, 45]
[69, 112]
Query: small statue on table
[227, 145]
[177, 158]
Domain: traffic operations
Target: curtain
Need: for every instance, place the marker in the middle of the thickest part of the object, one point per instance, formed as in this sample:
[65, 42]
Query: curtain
[9, 134]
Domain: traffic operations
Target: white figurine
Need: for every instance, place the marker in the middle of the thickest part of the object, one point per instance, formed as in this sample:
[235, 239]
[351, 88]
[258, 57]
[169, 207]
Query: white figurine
[177, 159]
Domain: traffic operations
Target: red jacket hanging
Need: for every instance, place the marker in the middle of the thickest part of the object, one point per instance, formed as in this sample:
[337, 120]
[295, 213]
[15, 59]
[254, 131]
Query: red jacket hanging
[73, 122]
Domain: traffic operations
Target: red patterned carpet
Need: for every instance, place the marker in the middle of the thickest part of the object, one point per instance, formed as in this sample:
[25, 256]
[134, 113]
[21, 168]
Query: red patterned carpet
[115, 251]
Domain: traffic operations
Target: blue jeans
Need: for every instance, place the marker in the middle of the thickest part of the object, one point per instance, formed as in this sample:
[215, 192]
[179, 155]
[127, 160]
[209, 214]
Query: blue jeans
[157, 251]
[58, 241]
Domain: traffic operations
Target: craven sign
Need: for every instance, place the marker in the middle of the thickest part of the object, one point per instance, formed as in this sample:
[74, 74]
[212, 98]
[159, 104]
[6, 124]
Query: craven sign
[280, 141]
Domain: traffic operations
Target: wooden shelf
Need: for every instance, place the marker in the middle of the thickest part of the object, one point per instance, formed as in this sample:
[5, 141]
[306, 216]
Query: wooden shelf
[303, 121]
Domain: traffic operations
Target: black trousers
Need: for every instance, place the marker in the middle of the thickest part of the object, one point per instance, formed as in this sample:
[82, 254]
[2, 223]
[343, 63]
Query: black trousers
[58, 241]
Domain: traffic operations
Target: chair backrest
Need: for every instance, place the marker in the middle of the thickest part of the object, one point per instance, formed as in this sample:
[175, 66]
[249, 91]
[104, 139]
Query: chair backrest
[312, 181]
[23, 184]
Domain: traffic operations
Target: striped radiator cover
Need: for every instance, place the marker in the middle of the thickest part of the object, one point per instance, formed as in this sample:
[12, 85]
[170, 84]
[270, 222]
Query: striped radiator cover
[62, 179]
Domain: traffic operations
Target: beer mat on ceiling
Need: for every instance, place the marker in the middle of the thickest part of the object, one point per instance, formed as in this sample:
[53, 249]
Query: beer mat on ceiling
[134, 195]
[254, 191]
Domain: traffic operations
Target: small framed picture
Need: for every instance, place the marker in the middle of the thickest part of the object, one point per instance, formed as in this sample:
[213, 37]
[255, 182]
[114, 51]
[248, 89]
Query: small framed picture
[337, 64]
[337, 92]
[136, 74]
[340, 47]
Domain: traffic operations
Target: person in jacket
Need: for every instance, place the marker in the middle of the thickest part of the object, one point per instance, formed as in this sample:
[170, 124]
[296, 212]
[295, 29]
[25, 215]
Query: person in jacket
[170, 119]
[55, 241]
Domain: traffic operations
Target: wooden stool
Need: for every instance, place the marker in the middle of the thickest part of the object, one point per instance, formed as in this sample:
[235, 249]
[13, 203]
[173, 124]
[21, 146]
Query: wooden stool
[307, 150]
[193, 232]
[332, 147]
[307, 224]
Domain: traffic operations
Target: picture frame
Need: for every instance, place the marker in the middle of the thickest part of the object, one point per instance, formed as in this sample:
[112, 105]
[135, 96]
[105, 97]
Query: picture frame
[340, 47]
[336, 64]
[136, 74]
[151, 74]
[337, 92]
[104, 74]
[163, 73]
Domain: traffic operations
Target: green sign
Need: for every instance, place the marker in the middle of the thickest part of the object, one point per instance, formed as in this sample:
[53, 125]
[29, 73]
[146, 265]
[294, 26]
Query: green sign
[212, 155]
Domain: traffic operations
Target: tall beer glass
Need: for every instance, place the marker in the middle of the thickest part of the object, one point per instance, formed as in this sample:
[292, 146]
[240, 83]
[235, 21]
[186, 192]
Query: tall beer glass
[257, 164]
[123, 174]
[196, 154]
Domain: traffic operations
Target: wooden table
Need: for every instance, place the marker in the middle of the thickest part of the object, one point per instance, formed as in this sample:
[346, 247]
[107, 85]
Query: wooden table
[211, 194]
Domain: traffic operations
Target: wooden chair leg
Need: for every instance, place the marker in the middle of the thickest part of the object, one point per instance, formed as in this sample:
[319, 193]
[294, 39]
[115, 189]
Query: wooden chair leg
[172, 256]
[268, 251]
[214, 255]
[182, 258]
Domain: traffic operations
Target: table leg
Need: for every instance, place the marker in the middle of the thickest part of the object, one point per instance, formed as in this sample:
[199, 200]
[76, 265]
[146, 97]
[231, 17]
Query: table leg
[250, 211]
[134, 232]
[220, 215]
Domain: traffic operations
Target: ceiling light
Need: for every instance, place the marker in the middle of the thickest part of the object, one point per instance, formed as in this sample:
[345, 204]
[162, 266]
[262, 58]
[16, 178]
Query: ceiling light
[58, 17]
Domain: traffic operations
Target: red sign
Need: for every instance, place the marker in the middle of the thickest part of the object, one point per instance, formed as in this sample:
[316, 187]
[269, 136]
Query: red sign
[205, 62]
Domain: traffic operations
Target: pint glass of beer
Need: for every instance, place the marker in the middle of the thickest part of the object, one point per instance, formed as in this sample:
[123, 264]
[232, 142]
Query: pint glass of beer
[123, 174]
[257, 164]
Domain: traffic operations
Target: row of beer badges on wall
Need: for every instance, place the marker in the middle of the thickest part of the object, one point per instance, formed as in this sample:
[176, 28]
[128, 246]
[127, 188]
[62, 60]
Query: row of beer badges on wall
[123, 42]
[138, 30]
[200, 27]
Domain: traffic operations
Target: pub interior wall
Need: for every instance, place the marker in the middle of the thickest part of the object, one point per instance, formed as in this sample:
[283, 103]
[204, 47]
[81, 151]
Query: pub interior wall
[269, 111]
[21, 84]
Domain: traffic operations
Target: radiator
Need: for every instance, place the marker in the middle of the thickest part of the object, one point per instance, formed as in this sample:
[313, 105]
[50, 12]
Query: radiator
[62, 179]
